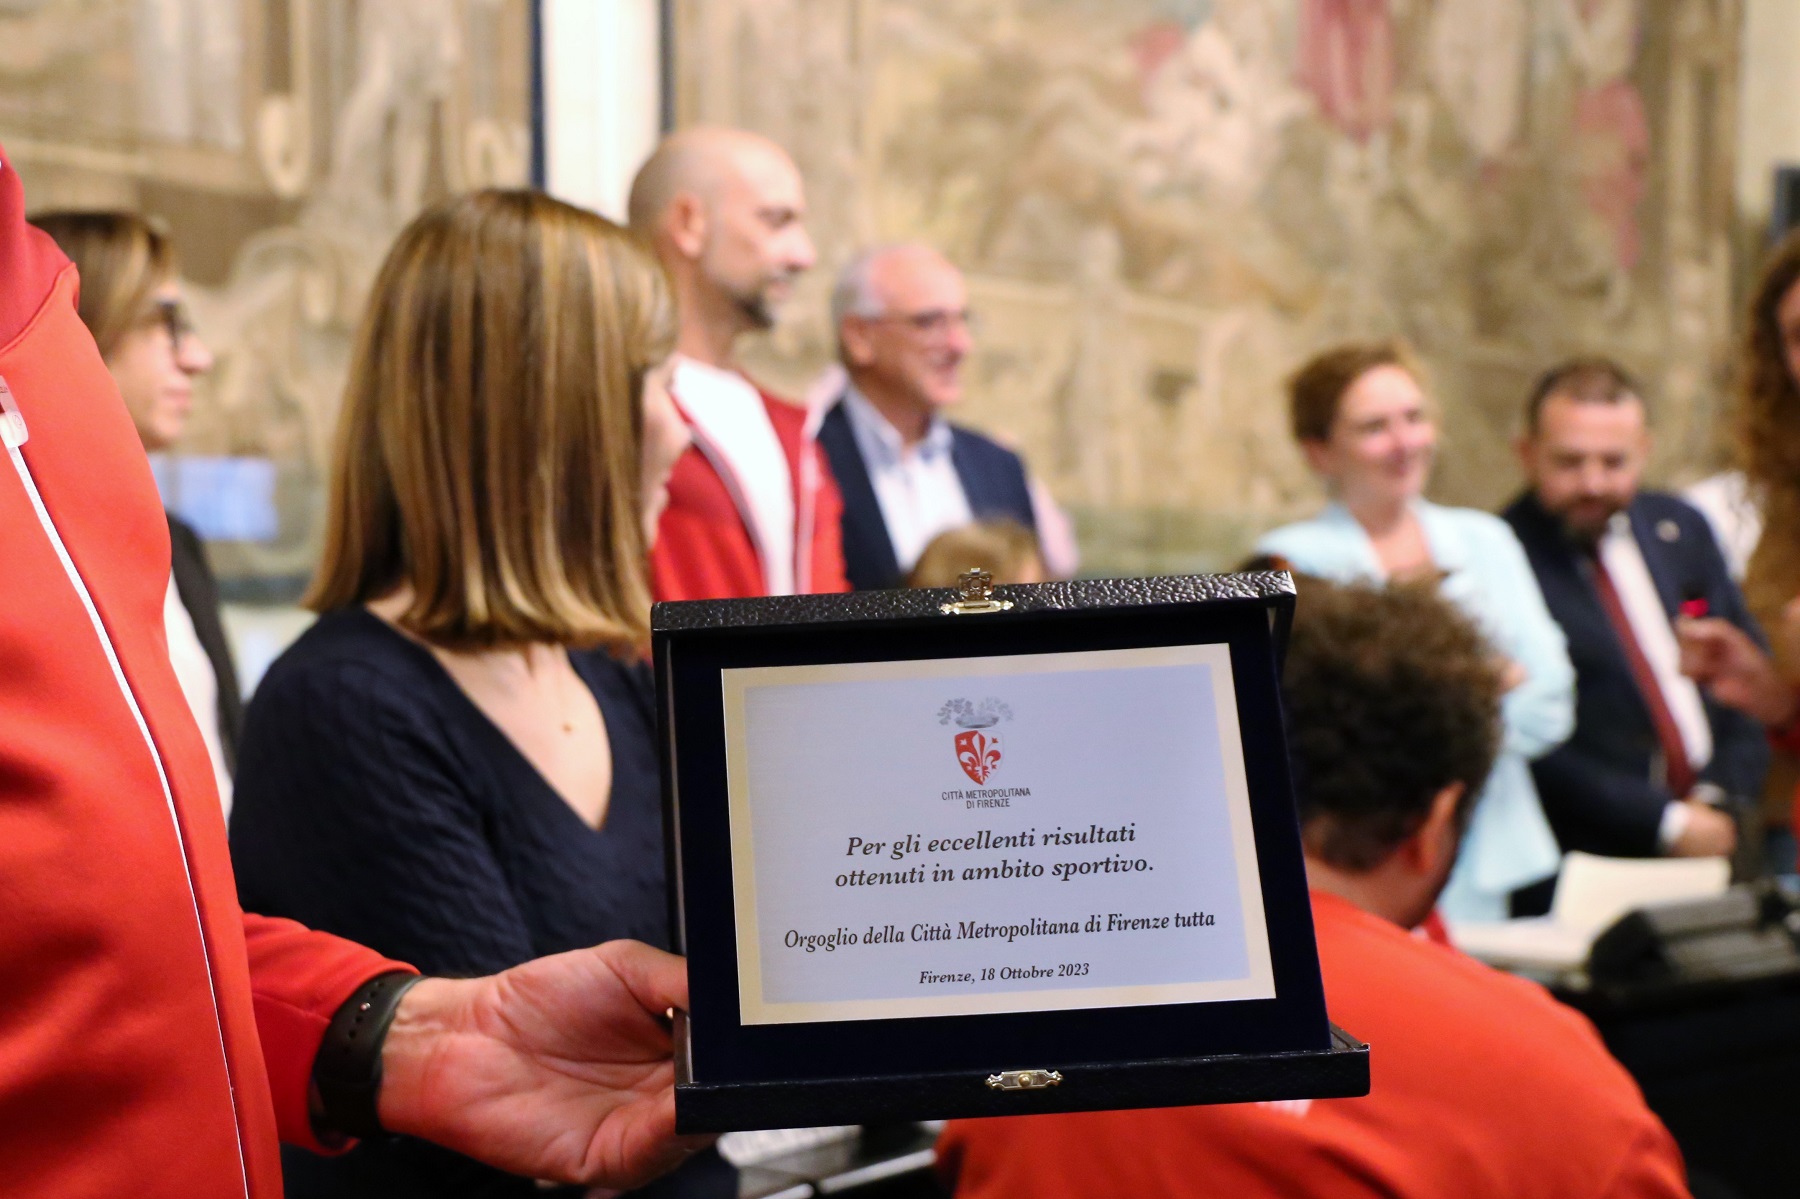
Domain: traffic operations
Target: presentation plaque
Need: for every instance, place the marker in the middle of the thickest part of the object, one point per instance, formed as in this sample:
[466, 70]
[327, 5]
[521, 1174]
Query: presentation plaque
[1010, 850]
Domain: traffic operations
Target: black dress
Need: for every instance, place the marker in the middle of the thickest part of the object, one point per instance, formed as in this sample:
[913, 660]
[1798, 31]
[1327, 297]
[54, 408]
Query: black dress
[376, 801]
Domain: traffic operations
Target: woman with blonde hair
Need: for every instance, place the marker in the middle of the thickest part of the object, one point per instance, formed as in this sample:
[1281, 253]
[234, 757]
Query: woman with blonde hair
[456, 765]
[1369, 432]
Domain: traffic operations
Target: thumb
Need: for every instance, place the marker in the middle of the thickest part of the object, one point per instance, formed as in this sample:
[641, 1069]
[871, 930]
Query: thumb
[657, 980]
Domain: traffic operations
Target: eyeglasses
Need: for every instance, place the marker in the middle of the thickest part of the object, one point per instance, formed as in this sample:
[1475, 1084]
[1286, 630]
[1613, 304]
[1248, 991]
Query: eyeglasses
[933, 322]
[172, 315]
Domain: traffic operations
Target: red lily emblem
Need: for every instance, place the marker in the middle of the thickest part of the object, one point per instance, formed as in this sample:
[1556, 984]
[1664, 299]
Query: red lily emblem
[978, 753]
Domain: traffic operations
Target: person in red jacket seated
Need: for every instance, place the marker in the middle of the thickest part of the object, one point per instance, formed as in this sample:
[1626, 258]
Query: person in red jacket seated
[1483, 1086]
[157, 1039]
[752, 506]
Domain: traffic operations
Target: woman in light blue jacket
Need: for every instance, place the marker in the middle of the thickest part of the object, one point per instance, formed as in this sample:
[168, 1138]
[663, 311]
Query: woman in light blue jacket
[1366, 429]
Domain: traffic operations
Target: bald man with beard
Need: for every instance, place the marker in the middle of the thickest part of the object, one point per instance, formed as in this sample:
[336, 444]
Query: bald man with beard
[752, 507]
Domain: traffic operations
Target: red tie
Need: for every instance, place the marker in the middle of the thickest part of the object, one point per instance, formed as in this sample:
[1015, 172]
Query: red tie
[1678, 771]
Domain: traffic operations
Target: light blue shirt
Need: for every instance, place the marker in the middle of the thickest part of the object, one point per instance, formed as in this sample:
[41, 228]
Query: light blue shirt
[916, 487]
[1509, 843]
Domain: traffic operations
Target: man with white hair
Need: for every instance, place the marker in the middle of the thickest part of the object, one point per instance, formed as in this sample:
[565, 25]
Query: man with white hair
[901, 313]
[752, 509]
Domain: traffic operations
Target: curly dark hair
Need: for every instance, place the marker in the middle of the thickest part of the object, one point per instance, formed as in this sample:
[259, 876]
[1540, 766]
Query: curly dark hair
[1768, 407]
[1392, 695]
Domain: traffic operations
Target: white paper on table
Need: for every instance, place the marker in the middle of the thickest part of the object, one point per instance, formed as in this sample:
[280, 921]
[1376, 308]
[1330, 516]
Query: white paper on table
[1534, 941]
[1591, 894]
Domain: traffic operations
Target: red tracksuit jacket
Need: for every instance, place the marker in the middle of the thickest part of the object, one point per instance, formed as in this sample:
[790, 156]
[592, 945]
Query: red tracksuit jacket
[154, 1038]
[704, 549]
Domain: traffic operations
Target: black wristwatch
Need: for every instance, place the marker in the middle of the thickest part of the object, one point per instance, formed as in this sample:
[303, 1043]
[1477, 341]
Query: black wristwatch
[347, 1071]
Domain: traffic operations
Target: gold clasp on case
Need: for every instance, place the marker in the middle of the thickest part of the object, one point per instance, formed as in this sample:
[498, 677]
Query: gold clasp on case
[1025, 1080]
[975, 595]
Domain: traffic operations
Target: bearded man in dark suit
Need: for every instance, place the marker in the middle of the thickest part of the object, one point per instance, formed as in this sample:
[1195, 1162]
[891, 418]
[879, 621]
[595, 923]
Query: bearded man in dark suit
[1654, 767]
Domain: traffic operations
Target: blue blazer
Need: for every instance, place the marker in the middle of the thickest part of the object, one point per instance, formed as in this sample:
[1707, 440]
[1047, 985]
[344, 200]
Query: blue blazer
[1598, 788]
[993, 479]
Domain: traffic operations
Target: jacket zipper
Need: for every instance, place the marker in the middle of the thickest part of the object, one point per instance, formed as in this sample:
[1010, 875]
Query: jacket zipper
[13, 435]
[805, 484]
[804, 503]
[739, 500]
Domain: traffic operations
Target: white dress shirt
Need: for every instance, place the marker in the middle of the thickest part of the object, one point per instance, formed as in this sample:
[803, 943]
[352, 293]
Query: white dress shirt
[916, 486]
[194, 671]
[1623, 558]
[730, 422]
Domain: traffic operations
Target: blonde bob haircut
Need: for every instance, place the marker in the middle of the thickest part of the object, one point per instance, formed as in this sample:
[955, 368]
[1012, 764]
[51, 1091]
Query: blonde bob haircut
[488, 451]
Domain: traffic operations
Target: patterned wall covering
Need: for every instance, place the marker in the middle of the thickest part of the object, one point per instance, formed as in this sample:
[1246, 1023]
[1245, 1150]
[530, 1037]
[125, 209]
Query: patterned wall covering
[284, 142]
[1164, 204]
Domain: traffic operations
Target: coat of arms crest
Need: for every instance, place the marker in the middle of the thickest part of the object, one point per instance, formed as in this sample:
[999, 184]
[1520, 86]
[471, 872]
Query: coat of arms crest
[978, 749]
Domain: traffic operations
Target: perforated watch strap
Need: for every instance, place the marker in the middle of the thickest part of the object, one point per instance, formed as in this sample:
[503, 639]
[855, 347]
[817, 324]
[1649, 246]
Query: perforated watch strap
[347, 1071]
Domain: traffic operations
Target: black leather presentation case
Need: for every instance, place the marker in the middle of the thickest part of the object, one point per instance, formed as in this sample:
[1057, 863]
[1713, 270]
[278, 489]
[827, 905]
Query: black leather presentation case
[731, 1075]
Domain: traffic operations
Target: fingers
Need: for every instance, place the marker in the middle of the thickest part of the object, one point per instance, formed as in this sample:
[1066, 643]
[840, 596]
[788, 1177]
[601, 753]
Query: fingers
[1710, 645]
[650, 1147]
[1704, 629]
[657, 980]
[1710, 833]
[1701, 645]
